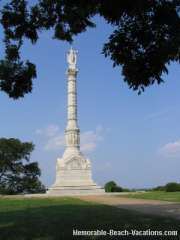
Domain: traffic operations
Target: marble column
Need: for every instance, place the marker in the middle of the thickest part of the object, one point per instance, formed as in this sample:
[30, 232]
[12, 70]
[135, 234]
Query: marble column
[72, 132]
[73, 170]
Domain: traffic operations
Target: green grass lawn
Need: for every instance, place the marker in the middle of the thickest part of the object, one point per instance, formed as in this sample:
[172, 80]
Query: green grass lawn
[54, 218]
[157, 195]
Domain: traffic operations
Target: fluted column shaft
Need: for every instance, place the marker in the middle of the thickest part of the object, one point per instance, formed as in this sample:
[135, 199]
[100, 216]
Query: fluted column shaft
[72, 131]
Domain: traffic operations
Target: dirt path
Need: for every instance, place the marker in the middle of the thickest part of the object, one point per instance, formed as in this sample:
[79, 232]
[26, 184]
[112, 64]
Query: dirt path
[154, 207]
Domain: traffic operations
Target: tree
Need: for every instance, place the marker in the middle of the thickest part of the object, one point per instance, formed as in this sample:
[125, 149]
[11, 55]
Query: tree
[113, 187]
[109, 186]
[146, 36]
[172, 187]
[17, 173]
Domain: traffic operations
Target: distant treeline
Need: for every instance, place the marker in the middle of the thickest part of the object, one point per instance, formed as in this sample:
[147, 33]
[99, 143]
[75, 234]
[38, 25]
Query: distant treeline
[112, 186]
[169, 187]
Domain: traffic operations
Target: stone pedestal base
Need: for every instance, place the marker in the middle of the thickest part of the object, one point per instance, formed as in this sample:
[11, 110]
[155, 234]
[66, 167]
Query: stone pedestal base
[78, 190]
[73, 175]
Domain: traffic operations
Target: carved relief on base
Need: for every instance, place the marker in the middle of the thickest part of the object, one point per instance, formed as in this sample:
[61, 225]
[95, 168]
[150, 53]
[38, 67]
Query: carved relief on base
[73, 163]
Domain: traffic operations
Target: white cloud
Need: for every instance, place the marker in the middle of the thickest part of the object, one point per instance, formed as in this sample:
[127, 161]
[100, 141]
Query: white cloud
[55, 143]
[90, 139]
[55, 140]
[171, 149]
[50, 131]
[38, 131]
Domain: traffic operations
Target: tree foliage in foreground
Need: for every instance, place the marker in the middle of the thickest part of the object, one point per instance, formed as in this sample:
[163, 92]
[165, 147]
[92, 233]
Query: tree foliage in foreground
[17, 173]
[145, 39]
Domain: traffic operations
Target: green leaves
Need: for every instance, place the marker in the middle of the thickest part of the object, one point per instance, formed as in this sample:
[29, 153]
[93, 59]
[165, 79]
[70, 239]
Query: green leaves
[145, 41]
[17, 174]
[16, 77]
[68, 18]
[146, 36]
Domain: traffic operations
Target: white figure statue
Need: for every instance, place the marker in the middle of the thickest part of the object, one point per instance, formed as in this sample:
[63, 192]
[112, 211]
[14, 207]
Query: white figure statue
[71, 58]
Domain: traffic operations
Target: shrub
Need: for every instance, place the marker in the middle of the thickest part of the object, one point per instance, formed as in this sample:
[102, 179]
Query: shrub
[113, 187]
[172, 187]
[109, 186]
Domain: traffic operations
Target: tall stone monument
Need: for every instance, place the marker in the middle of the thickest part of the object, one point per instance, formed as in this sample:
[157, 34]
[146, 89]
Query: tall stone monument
[73, 170]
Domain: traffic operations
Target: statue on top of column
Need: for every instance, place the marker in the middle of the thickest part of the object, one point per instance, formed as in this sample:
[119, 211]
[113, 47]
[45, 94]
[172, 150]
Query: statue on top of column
[72, 58]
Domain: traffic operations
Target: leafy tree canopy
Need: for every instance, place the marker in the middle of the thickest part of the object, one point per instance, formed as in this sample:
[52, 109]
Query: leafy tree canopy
[17, 173]
[113, 187]
[145, 39]
[172, 187]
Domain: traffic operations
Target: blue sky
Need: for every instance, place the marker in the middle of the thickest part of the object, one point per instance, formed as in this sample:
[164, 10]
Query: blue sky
[134, 140]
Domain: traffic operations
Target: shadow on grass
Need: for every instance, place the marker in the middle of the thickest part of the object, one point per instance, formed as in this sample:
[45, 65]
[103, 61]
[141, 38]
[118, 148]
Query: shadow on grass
[55, 219]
